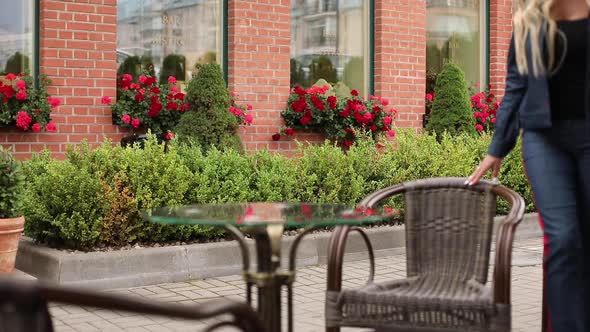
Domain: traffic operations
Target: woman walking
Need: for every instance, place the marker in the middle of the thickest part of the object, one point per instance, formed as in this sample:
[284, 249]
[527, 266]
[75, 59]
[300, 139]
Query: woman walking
[547, 95]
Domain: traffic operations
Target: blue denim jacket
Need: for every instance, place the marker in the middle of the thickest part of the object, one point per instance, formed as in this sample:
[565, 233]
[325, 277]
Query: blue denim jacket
[525, 104]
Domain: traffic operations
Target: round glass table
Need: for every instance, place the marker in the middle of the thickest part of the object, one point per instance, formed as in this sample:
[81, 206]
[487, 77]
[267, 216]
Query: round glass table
[265, 223]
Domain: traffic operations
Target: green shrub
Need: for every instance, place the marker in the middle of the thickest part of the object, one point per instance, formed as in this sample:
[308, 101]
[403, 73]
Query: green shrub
[97, 196]
[207, 89]
[451, 110]
[11, 186]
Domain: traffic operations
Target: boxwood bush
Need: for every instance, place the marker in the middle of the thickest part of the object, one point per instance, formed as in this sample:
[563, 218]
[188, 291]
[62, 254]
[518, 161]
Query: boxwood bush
[94, 197]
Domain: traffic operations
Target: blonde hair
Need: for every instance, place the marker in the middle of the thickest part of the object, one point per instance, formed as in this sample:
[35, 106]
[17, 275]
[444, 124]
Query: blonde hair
[530, 17]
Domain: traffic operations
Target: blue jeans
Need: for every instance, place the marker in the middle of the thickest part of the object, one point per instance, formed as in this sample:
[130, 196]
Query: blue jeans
[557, 161]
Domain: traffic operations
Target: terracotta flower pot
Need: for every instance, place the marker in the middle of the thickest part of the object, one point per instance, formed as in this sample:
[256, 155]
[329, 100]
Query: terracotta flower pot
[10, 233]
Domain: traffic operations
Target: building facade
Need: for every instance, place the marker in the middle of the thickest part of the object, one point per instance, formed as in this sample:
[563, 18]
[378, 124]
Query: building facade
[388, 48]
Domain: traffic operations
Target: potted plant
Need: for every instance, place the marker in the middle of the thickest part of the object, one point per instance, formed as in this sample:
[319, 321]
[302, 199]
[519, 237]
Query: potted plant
[11, 219]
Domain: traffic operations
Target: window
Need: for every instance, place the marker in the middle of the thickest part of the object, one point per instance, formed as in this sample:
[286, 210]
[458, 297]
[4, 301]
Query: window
[330, 40]
[456, 33]
[17, 36]
[170, 35]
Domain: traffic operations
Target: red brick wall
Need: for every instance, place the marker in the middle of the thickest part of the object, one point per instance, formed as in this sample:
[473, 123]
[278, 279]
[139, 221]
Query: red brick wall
[500, 32]
[400, 57]
[78, 53]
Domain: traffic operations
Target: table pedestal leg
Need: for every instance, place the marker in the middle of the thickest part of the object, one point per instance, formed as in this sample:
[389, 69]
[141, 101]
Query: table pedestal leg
[269, 283]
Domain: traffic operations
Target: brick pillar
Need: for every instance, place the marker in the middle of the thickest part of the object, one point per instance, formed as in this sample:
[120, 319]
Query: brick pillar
[400, 57]
[77, 52]
[500, 32]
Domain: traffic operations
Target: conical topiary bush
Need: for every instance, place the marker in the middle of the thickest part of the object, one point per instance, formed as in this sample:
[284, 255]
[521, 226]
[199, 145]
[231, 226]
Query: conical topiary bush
[209, 123]
[451, 110]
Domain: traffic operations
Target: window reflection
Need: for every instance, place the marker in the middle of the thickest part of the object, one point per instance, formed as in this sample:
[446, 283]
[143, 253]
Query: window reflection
[330, 41]
[455, 33]
[171, 36]
[17, 26]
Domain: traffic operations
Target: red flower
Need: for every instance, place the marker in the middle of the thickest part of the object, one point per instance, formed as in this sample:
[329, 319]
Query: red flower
[305, 120]
[317, 103]
[368, 117]
[387, 120]
[289, 131]
[391, 133]
[354, 93]
[126, 118]
[155, 90]
[299, 105]
[135, 123]
[345, 113]
[248, 107]
[476, 115]
[478, 127]
[50, 127]
[23, 120]
[184, 107]
[36, 127]
[8, 91]
[276, 137]
[236, 111]
[10, 77]
[373, 128]
[429, 97]
[179, 96]
[172, 80]
[493, 120]
[21, 95]
[106, 100]
[248, 119]
[21, 85]
[384, 102]
[139, 97]
[332, 102]
[172, 105]
[127, 77]
[155, 109]
[142, 79]
[169, 136]
[379, 146]
[54, 102]
[300, 91]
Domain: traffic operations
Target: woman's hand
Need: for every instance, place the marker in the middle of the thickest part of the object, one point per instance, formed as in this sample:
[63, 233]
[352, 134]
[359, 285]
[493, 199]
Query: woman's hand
[489, 162]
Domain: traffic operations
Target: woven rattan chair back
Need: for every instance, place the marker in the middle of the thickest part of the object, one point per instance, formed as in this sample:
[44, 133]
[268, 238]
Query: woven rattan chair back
[448, 227]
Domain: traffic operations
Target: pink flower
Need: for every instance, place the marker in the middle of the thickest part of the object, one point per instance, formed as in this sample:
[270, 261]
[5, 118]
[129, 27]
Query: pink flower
[21, 95]
[169, 136]
[50, 127]
[429, 97]
[478, 127]
[368, 116]
[276, 137]
[106, 100]
[135, 123]
[54, 102]
[248, 107]
[172, 80]
[174, 89]
[384, 102]
[387, 120]
[289, 131]
[493, 120]
[391, 133]
[23, 120]
[126, 118]
[142, 79]
[10, 77]
[476, 115]
[127, 77]
[21, 85]
[36, 127]
[248, 119]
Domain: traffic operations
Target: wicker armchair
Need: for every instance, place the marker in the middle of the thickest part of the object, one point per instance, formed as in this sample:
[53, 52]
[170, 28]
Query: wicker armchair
[449, 230]
[23, 307]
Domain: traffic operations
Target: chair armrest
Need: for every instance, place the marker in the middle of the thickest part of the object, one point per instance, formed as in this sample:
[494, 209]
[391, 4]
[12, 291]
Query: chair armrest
[503, 259]
[244, 317]
[336, 249]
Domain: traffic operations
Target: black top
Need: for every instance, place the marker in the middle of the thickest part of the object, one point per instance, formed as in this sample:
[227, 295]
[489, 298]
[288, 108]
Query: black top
[567, 87]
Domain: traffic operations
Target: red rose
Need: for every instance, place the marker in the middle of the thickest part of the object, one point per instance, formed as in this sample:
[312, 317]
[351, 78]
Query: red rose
[289, 131]
[127, 77]
[184, 107]
[317, 103]
[10, 77]
[169, 136]
[155, 109]
[332, 102]
[300, 91]
[23, 120]
[368, 117]
[54, 102]
[429, 97]
[387, 120]
[299, 105]
[384, 102]
[150, 81]
[154, 99]
[139, 97]
[21, 85]
[345, 113]
[376, 108]
[172, 80]
[50, 127]
[126, 118]
[305, 120]
[493, 120]
[373, 128]
[155, 90]
[391, 133]
[21, 95]
[276, 137]
[248, 119]
[354, 93]
[172, 105]
[142, 79]
[179, 96]
[478, 127]
[248, 107]
[8, 91]
[135, 123]
[106, 100]
[36, 127]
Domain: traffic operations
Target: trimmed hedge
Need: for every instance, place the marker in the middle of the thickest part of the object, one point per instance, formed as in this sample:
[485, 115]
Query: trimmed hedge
[94, 197]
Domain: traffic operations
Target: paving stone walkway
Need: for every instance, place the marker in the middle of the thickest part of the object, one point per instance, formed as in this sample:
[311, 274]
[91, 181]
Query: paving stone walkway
[308, 300]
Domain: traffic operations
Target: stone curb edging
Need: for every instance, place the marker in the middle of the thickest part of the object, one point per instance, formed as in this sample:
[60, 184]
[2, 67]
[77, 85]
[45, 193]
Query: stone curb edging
[146, 266]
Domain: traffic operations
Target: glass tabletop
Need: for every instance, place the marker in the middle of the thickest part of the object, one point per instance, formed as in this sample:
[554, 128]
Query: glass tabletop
[263, 214]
